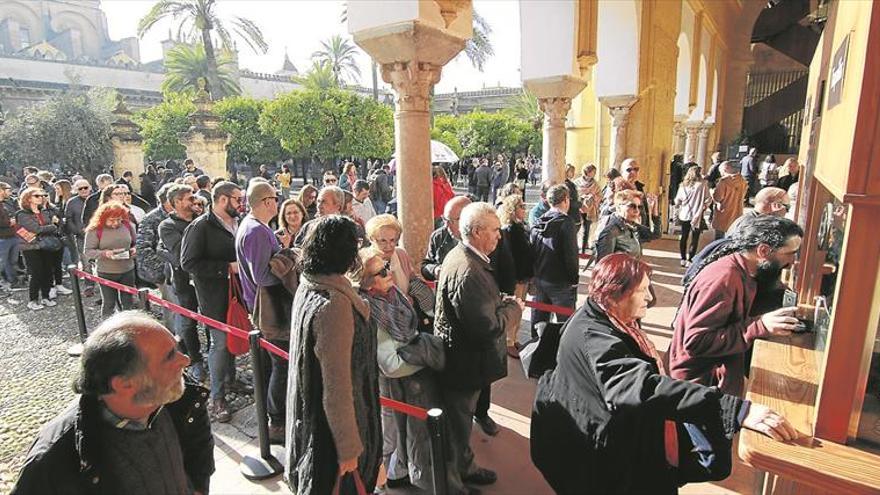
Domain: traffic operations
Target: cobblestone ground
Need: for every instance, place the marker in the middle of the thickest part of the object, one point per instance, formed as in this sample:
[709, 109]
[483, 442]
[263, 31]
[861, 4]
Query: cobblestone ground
[36, 373]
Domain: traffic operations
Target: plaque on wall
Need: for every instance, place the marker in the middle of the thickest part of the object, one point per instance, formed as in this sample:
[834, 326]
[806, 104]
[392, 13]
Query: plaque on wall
[838, 73]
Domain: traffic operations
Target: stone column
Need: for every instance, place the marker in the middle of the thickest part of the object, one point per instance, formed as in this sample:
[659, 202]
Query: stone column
[412, 83]
[205, 141]
[554, 97]
[690, 144]
[128, 152]
[703, 144]
[411, 55]
[619, 106]
[678, 136]
[734, 96]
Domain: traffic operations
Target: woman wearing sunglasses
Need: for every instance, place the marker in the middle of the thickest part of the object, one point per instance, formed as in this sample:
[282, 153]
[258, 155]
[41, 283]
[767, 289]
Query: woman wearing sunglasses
[624, 232]
[37, 227]
[406, 358]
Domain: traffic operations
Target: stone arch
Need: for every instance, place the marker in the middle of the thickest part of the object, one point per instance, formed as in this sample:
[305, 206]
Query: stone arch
[617, 69]
[683, 75]
[25, 16]
[86, 28]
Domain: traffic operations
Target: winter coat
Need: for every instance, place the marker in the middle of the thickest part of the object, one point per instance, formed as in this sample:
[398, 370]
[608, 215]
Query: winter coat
[273, 303]
[714, 329]
[574, 204]
[151, 266]
[332, 387]
[30, 222]
[483, 176]
[516, 237]
[692, 202]
[73, 216]
[380, 188]
[472, 319]
[442, 194]
[554, 247]
[170, 238]
[620, 236]
[7, 213]
[207, 249]
[598, 420]
[537, 211]
[65, 459]
[728, 196]
[439, 246]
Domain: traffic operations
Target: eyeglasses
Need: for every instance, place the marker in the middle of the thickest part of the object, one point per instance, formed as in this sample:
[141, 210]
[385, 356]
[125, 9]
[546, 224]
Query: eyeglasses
[633, 206]
[273, 198]
[330, 181]
[632, 169]
[782, 205]
[40, 195]
[83, 188]
[386, 268]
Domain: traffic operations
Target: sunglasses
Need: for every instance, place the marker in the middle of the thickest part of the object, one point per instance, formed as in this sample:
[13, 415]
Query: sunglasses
[83, 188]
[40, 195]
[386, 269]
[634, 169]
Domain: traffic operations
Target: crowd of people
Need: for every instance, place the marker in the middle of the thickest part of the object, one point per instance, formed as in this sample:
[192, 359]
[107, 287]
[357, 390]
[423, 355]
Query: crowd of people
[321, 273]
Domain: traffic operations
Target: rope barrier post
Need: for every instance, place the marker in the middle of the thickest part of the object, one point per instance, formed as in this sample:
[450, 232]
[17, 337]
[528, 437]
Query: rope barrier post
[437, 431]
[76, 349]
[265, 466]
[144, 298]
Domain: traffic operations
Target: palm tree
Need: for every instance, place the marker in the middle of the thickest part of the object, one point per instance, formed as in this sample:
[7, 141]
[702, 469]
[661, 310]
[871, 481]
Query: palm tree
[339, 54]
[186, 64]
[479, 48]
[526, 108]
[198, 22]
[319, 76]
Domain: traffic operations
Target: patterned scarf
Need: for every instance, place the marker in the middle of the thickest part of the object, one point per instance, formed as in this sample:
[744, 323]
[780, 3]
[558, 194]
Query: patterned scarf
[394, 314]
[634, 330]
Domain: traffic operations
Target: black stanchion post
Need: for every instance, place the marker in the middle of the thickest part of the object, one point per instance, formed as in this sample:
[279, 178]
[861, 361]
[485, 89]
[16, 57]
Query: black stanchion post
[437, 431]
[76, 349]
[265, 466]
[144, 299]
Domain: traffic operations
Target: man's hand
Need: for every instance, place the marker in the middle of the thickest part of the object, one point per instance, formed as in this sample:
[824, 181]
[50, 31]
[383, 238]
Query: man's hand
[780, 322]
[234, 267]
[348, 466]
[767, 421]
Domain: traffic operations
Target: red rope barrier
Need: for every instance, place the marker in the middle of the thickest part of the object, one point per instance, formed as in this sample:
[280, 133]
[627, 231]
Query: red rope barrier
[108, 283]
[550, 308]
[219, 325]
[274, 349]
[409, 410]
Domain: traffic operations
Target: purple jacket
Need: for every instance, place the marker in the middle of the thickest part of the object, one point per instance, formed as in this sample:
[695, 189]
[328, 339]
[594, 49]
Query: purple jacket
[255, 244]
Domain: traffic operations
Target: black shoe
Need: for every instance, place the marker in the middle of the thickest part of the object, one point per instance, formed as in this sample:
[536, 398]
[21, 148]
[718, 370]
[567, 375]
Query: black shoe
[488, 425]
[481, 476]
[398, 483]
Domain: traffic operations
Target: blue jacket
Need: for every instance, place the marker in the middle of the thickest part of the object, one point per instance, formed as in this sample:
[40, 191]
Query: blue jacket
[554, 245]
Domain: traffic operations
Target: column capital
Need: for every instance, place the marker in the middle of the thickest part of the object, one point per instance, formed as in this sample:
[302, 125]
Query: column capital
[703, 130]
[619, 106]
[555, 109]
[412, 83]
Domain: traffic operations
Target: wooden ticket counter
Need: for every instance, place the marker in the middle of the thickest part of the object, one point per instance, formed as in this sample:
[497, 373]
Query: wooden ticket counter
[828, 382]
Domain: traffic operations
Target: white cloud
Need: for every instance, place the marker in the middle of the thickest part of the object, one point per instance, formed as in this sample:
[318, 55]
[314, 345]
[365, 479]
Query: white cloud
[300, 25]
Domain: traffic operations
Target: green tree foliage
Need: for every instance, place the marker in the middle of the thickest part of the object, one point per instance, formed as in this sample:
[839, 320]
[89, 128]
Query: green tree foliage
[249, 144]
[199, 22]
[162, 124]
[319, 77]
[71, 130]
[479, 133]
[186, 64]
[329, 124]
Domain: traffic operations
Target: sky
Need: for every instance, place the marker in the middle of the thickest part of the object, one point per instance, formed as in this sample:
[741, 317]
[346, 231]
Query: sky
[299, 26]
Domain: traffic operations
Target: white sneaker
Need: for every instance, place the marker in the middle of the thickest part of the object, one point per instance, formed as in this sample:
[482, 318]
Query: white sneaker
[64, 291]
[35, 306]
[10, 300]
[683, 263]
[53, 293]
[49, 303]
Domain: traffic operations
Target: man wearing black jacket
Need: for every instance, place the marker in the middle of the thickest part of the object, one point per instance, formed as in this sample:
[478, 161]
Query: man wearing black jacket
[94, 200]
[137, 427]
[207, 253]
[554, 241]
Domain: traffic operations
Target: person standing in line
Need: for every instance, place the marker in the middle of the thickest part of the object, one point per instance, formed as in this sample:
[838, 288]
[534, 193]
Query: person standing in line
[692, 200]
[555, 251]
[728, 194]
[769, 175]
[588, 192]
[515, 237]
[255, 244]
[630, 170]
[472, 318]
[34, 224]
[284, 179]
[483, 180]
[57, 255]
[362, 206]
[442, 193]
[189, 167]
[333, 381]
[8, 242]
[110, 241]
[349, 176]
[180, 198]
[749, 170]
[444, 238]
[207, 253]
[291, 217]
[308, 196]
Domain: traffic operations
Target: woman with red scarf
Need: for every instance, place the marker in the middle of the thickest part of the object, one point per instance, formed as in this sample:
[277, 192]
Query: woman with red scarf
[38, 231]
[609, 419]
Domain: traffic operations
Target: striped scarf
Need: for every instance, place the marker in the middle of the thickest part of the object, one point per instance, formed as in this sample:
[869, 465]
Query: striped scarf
[634, 330]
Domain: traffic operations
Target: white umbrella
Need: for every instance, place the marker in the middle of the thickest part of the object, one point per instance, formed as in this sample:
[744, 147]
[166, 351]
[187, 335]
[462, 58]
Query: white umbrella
[440, 153]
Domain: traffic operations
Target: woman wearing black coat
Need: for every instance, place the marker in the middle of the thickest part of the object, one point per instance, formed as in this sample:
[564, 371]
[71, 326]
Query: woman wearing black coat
[609, 420]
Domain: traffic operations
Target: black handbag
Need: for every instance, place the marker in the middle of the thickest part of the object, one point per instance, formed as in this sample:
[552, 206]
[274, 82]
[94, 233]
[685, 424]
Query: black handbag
[539, 355]
[49, 242]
